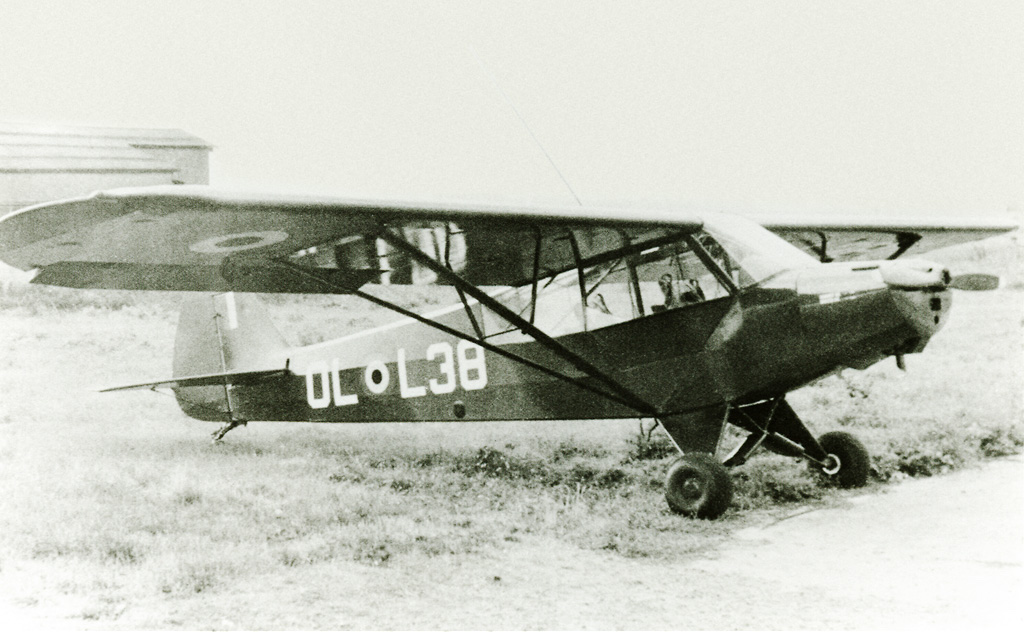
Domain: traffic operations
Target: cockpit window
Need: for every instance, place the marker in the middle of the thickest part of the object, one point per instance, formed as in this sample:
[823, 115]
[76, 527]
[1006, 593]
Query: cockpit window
[674, 276]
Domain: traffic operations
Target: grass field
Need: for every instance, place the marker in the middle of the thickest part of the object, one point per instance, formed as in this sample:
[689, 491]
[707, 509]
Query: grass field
[115, 509]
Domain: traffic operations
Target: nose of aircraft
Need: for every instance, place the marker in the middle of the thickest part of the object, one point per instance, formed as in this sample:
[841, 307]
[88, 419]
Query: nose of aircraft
[915, 274]
[921, 291]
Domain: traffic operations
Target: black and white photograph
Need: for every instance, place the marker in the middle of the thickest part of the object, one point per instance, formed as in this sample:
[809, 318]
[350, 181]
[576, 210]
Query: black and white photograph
[511, 315]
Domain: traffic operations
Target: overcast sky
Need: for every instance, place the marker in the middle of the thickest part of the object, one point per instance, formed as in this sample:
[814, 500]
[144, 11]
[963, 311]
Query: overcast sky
[868, 107]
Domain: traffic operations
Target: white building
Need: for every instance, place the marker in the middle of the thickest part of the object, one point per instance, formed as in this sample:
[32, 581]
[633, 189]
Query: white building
[41, 163]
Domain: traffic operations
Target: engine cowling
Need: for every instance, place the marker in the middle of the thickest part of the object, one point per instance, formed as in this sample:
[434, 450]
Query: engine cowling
[915, 274]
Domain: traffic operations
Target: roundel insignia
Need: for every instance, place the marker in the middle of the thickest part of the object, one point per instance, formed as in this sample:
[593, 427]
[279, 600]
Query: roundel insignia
[239, 241]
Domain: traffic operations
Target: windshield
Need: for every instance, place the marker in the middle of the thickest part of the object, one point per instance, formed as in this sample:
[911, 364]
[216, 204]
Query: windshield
[759, 252]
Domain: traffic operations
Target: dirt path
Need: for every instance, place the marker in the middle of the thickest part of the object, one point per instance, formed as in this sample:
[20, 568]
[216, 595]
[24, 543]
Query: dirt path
[943, 552]
[946, 552]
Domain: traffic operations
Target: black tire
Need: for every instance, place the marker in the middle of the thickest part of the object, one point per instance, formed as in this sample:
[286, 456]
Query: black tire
[851, 464]
[698, 486]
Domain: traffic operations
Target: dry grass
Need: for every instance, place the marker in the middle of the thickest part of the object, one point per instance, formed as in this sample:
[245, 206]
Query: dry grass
[115, 508]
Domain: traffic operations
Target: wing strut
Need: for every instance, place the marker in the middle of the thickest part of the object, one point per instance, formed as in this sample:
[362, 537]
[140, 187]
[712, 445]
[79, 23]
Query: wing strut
[623, 394]
[904, 241]
[580, 277]
[636, 403]
[823, 252]
[462, 295]
[536, 276]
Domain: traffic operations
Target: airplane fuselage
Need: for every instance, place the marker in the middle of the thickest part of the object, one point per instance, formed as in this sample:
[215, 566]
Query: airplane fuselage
[759, 343]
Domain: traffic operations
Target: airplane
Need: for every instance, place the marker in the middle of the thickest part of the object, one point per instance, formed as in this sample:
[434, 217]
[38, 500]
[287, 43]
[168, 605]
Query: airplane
[702, 321]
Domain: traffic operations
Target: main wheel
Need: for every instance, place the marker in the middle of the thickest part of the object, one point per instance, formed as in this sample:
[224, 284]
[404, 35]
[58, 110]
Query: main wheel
[698, 486]
[848, 463]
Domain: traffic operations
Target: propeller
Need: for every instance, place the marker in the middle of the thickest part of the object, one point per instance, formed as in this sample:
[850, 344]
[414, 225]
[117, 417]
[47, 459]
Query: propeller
[920, 274]
[975, 282]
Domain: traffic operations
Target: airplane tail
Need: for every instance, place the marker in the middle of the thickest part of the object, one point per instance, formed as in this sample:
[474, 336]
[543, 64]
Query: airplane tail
[223, 339]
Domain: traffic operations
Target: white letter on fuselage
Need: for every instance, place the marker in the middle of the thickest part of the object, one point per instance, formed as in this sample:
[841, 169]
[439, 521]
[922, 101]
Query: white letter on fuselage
[403, 380]
[339, 399]
[323, 371]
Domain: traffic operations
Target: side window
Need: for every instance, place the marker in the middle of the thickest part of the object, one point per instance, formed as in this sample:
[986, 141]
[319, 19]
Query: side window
[672, 277]
[610, 297]
[562, 309]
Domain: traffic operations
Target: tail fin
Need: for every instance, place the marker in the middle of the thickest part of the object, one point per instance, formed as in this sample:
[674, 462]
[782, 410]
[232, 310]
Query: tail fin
[222, 334]
[225, 333]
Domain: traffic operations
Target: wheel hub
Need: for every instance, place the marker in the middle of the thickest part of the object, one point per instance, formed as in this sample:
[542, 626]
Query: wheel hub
[832, 465]
[692, 489]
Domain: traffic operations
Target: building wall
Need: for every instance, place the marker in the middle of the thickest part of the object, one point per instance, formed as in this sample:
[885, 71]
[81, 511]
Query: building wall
[21, 189]
[42, 163]
[191, 164]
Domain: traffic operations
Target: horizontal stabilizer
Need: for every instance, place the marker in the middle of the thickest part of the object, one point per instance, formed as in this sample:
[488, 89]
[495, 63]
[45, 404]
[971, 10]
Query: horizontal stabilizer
[212, 379]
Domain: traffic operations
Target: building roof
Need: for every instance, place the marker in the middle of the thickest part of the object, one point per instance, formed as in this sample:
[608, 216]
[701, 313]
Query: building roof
[46, 148]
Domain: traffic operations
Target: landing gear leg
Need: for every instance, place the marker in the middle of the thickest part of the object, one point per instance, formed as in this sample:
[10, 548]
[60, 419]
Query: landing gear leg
[226, 428]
